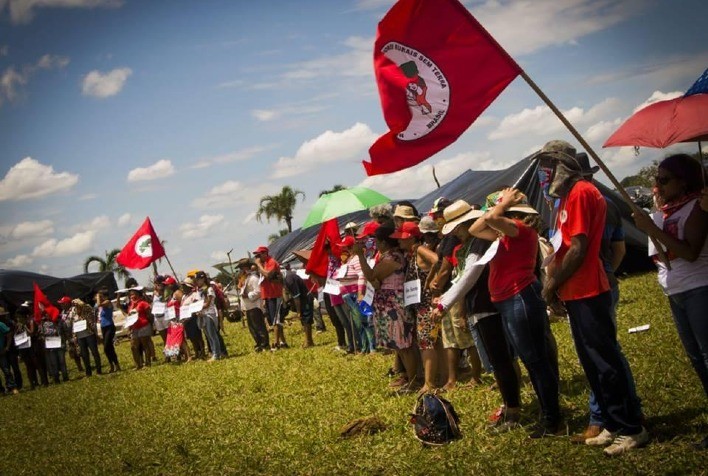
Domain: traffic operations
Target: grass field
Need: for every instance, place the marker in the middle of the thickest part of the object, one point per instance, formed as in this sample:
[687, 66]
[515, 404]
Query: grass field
[280, 413]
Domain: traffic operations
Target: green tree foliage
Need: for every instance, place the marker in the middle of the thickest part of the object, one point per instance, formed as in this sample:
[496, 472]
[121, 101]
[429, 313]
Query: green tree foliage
[336, 188]
[279, 206]
[107, 264]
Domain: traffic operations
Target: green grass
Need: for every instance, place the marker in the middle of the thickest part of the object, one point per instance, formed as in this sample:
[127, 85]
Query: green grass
[280, 413]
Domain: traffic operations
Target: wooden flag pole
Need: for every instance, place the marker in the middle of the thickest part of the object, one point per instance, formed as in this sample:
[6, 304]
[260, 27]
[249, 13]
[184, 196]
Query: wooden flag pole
[593, 154]
[173, 270]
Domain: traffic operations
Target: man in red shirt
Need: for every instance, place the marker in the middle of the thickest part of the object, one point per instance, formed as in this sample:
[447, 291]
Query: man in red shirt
[576, 276]
[271, 293]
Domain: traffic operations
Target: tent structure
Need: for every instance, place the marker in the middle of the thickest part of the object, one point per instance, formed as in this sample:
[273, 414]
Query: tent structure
[473, 186]
[17, 287]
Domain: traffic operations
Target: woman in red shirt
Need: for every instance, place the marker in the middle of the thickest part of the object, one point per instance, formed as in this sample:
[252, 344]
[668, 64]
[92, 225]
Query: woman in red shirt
[141, 330]
[516, 292]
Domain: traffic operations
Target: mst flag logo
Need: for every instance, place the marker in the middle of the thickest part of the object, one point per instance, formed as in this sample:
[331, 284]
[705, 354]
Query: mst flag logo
[426, 88]
[143, 246]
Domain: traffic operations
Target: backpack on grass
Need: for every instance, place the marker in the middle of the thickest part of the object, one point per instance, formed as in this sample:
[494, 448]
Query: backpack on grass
[434, 420]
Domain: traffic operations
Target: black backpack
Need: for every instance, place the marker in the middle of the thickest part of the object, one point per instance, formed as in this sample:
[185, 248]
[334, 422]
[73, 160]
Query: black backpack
[434, 420]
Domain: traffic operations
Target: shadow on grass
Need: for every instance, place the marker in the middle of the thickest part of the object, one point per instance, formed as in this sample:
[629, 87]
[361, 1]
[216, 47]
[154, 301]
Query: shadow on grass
[672, 425]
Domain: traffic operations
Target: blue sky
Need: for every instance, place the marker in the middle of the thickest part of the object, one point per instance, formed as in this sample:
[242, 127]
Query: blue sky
[189, 112]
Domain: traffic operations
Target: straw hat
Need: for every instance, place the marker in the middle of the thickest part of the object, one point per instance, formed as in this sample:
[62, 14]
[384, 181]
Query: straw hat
[459, 212]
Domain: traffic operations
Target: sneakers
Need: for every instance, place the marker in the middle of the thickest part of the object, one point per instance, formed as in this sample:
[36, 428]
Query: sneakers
[590, 432]
[624, 443]
[603, 439]
[497, 415]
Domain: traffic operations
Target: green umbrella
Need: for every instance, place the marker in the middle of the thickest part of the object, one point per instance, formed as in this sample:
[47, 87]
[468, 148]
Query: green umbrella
[336, 204]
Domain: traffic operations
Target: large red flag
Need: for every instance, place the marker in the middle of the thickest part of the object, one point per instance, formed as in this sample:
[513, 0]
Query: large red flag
[142, 249]
[42, 303]
[437, 70]
[319, 258]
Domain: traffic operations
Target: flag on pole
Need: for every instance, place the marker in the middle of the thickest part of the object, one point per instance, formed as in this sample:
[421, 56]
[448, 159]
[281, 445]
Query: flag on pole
[437, 69]
[142, 249]
[319, 258]
[42, 304]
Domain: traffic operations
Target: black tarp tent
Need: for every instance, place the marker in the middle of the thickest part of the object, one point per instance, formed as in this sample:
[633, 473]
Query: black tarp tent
[17, 286]
[473, 186]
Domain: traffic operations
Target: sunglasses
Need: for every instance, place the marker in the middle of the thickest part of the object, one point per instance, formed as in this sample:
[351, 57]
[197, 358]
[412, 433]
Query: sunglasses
[662, 180]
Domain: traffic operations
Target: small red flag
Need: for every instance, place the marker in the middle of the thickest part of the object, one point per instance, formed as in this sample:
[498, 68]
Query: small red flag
[142, 249]
[42, 304]
[319, 258]
[437, 70]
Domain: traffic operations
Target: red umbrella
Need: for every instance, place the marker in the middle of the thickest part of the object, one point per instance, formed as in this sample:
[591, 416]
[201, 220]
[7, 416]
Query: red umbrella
[684, 119]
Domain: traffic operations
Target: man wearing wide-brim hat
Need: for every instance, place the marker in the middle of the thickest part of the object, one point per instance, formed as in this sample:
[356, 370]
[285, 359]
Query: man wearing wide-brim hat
[250, 296]
[577, 277]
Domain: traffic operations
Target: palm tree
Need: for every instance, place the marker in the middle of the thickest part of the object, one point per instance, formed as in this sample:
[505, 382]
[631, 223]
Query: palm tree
[279, 206]
[336, 188]
[108, 264]
[275, 236]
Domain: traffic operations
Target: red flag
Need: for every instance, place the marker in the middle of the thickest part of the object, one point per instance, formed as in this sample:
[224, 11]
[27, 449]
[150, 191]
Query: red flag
[437, 70]
[142, 249]
[319, 258]
[43, 304]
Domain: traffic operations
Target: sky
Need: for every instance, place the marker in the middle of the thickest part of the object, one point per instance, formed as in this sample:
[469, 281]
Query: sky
[189, 112]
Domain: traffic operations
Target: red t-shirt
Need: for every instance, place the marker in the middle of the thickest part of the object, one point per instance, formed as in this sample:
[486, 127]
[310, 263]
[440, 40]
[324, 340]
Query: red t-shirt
[143, 307]
[271, 288]
[512, 268]
[582, 212]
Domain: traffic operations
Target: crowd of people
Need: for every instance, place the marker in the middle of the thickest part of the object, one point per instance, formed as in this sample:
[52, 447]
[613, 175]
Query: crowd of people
[461, 282]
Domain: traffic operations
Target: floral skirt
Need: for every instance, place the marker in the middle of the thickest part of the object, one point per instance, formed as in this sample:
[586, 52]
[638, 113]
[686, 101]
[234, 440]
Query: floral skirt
[394, 327]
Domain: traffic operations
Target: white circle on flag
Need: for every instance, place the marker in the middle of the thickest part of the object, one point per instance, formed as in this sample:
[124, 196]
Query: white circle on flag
[427, 90]
[143, 246]
[563, 216]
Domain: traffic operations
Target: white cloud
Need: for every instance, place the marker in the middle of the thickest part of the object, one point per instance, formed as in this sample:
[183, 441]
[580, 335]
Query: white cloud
[236, 156]
[22, 11]
[103, 85]
[218, 256]
[160, 169]
[232, 193]
[17, 262]
[416, 181]
[265, 115]
[31, 229]
[658, 96]
[542, 121]
[13, 79]
[202, 228]
[523, 27]
[78, 243]
[327, 148]
[124, 219]
[600, 131]
[31, 179]
[101, 222]
[249, 218]
[88, 196]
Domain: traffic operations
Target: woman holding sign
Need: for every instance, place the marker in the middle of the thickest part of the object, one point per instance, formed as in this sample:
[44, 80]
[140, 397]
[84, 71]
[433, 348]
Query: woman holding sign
[516, 292]
[420, 262]
[54, 342]
[83, 326]
[393, 326]
[138, 322]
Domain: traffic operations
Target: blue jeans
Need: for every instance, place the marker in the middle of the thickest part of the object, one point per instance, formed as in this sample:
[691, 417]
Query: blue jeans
[526, 324]
[56, 362]
[595, 412]
[481, 350]
[351, 322]
[595, 337]
[690, 311]
[212, 332]
[5, 367]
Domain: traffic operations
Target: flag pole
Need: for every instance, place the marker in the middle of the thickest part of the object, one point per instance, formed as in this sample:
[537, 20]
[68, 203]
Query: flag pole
[173, 270]
[623, 193]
